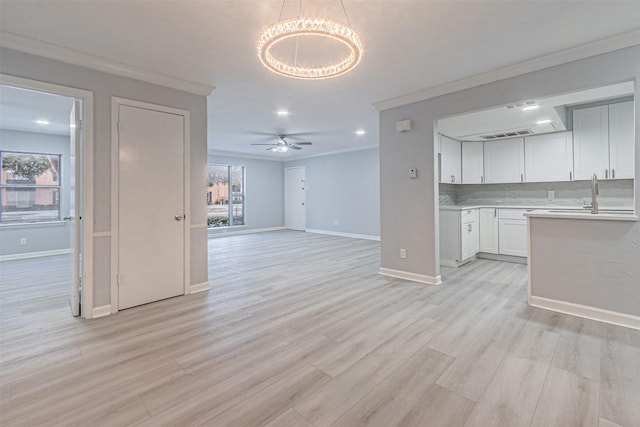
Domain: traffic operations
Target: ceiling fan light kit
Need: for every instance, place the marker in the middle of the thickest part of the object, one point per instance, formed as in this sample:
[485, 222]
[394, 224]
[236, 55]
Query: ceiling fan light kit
[315, 27]
[282, 146]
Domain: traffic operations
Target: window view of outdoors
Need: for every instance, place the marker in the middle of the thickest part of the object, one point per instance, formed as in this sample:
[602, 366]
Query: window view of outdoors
[30, 187]
[225, 195]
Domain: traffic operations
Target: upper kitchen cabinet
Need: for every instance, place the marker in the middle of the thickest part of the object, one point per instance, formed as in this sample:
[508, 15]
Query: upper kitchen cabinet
[472, 162]
[548, 157]
[621, 140]
[603, 141]
[450, 164]
[504, 161]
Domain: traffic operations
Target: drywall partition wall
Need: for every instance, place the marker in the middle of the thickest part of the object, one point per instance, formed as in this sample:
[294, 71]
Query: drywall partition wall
[48, 236]
[264, 193]
[105, 86]
[415, 228]
[343, 193]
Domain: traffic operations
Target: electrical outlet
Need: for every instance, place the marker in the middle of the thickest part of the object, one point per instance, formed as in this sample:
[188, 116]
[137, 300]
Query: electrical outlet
[23, 241]
[403, 253]
[551, 194]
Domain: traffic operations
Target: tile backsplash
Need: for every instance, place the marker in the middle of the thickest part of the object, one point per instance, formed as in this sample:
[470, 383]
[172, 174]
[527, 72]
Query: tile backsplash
[613, 193]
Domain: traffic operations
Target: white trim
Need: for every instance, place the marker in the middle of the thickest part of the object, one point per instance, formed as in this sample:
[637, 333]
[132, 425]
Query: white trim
[341, 234]
[576, 53]
[214, 152]
[414, 277]
[196, 226]
[28, 255]
[102, 311]
[87, 177]
[115, 175]
[199, 287]
[102, 234]
[71, 56]
[332, 153]
[250, 231]
[587, 312]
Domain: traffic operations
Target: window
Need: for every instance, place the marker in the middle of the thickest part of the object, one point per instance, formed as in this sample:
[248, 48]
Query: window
[30, 187]
[225, 195]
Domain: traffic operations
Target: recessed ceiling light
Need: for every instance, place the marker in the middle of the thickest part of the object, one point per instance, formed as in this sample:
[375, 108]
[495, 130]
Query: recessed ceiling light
[360, 132]
[283, 113]
[42, 122]
[530, 107]
[543, 122]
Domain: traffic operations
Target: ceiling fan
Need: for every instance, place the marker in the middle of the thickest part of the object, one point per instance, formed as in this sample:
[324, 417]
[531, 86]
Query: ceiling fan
[283, 146]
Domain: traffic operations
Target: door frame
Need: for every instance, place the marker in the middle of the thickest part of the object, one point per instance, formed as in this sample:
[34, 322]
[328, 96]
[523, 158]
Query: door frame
[116, 102]
[86, 180]
[304, 169]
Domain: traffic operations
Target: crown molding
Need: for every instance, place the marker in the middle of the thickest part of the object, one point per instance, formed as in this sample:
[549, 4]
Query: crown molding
[71, 56]
[287, 159]
[576, 53]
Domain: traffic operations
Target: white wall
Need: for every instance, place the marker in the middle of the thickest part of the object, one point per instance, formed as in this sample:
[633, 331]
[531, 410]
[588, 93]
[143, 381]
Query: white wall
[40, 237]
[105, 86]
[264, 193]
[417, 228]
[345, 188]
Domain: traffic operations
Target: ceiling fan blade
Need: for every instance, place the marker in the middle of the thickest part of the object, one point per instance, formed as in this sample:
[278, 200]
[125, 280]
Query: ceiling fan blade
[295, 147]
[263, 144]
[271, 149]
[302, 143]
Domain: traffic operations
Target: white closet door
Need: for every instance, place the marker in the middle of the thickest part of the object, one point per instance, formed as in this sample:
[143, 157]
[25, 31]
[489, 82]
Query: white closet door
[151, 206]
[295, 211]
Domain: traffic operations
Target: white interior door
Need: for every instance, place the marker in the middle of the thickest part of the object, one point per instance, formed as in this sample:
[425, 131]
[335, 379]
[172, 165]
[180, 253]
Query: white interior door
[295, 211]
[150, 205]
[75, 211]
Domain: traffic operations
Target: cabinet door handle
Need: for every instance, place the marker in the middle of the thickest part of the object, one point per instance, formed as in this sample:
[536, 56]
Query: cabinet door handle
[481, 179]
[570, 176]
[495, 212]
[606, 173]
[469, 227]
[521, 177]
[453, 178]
[613, 173]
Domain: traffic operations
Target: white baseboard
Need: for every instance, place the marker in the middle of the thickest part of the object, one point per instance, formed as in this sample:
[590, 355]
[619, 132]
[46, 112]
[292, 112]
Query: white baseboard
[414, 277]
[586, 311]
[249, 231]
[102, 311]
[200, 287]
[39, 254]
[338, 233]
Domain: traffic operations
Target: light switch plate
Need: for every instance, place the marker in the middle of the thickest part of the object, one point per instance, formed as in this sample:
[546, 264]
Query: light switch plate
[413, 173]
[551, 194]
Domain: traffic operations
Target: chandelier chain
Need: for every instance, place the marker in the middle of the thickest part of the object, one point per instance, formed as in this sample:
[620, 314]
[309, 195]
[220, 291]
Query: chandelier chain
[345, 13]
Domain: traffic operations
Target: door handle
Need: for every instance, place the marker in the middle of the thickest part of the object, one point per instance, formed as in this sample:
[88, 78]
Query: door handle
[178, 217]
[302, 204]
[67, 218]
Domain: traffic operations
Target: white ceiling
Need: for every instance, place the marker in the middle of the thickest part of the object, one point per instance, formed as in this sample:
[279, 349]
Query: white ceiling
[409, 45]
[21, 109]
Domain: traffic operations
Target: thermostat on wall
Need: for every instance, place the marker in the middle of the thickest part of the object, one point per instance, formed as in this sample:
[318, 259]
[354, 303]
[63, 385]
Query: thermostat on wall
[413, 173]
[403, 126]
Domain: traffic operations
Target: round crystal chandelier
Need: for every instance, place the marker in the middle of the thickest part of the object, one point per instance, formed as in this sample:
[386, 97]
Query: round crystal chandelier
[315, 27]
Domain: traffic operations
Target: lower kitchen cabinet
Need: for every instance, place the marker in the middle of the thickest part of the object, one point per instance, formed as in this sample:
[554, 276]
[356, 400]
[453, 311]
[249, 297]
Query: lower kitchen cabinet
[489, 230]
[512, 232]
[459, 236]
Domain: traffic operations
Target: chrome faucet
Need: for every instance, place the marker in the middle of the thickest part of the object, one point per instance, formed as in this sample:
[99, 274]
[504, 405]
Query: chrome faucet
[594, 193]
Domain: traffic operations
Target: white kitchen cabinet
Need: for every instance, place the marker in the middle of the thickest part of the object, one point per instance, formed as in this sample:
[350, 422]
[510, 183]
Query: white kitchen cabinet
[488, 230]
[450, 161]
[591, 142]
[512, 232]
[504, 161]
[621, 140]
[459, 236]
[548, 157]
[472, 162]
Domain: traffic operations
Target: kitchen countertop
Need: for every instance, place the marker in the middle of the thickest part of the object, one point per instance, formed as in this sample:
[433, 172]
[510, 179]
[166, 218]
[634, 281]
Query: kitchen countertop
[608, 213]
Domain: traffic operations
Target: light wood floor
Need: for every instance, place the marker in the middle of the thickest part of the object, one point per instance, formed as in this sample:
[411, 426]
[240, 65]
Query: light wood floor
[300, 330]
